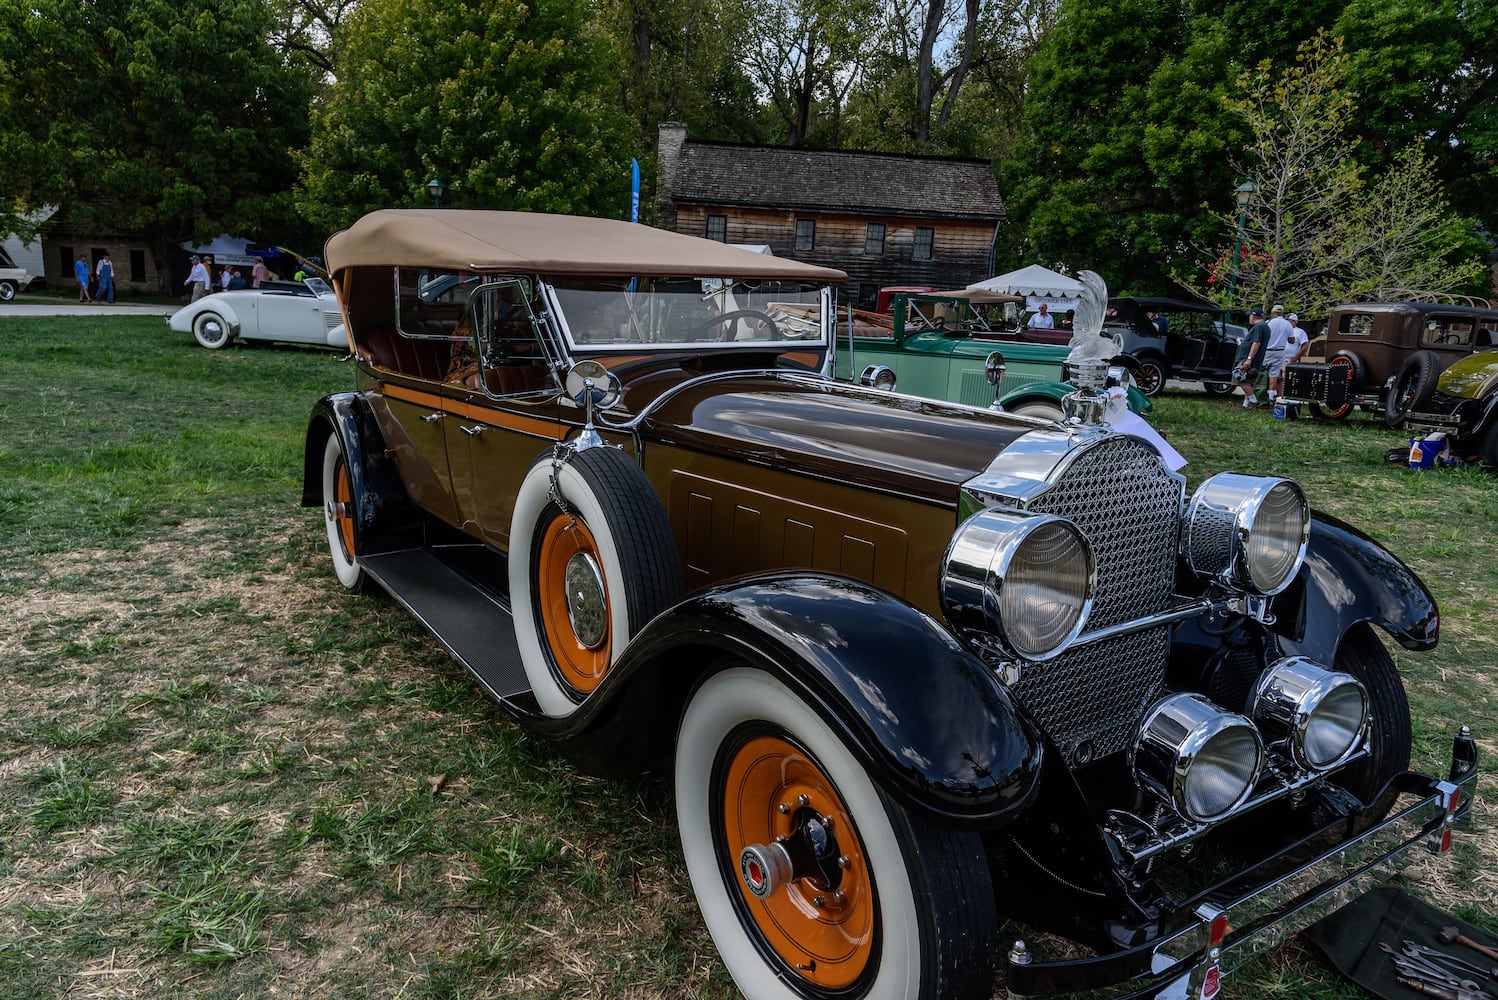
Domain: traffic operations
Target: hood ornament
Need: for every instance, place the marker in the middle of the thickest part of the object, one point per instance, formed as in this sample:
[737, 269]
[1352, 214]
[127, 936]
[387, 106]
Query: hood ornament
[1087, 365]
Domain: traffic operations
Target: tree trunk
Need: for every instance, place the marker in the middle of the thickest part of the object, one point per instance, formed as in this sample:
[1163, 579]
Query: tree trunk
[969, 46]
[924, 69]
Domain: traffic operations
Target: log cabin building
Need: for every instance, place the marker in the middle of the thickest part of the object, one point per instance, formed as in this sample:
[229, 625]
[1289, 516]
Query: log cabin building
[884, 218]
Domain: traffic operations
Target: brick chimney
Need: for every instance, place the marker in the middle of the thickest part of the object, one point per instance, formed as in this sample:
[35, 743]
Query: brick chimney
[672, 136]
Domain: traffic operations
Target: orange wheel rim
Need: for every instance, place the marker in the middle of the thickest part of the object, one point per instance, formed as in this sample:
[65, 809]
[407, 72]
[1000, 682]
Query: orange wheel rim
[574, 603]
[825, 935]
[343, 496]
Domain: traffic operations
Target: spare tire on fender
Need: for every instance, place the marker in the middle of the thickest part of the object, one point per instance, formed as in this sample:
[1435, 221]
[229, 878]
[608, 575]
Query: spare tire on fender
[1413, 387]
[592, 559]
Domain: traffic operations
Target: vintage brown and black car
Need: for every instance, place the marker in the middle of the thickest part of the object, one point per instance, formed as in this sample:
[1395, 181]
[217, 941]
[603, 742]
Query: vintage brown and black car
[1385, 357]
[913, 666]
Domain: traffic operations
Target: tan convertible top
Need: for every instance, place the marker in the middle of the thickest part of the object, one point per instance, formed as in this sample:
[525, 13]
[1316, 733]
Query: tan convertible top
[534, 243]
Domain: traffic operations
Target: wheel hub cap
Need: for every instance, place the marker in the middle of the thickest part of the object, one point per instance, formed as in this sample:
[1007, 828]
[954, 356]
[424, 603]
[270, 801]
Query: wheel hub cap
[587, 601]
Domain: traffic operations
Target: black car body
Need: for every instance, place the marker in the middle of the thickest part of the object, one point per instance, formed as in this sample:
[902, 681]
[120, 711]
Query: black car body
[1197, 345]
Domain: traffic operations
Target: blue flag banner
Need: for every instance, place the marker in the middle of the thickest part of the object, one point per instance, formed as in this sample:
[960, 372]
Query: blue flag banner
[634, 191]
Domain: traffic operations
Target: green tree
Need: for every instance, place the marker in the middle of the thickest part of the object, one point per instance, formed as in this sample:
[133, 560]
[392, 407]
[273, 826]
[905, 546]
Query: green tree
[807, 56]
[1425, 72]
[176, 120]
[1317, 230]
[512, 106]
[1122, 155]
[685, 61]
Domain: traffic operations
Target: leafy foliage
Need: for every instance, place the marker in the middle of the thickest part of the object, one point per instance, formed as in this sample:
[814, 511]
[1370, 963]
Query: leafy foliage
[1316, 230]
[509, 105]
[173, 119]
[1119, 160]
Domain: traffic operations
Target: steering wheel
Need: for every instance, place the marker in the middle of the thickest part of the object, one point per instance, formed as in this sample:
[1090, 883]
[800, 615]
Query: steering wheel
[734, 314]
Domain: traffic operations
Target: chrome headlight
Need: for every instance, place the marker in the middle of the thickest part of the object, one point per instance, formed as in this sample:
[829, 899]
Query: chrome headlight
[1029, 578]
[1200, 758]
[1320, 714]
[880, 377]
[1247, 531]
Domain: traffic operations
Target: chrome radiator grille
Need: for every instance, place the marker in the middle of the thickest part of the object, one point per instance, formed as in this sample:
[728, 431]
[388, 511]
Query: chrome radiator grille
[1090, 698]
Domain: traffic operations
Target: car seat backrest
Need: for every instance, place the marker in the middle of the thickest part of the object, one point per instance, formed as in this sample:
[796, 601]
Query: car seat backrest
[1484, 338]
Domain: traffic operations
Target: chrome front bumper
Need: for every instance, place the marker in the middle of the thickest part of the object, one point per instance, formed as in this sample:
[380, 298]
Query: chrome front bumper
[1228, 926]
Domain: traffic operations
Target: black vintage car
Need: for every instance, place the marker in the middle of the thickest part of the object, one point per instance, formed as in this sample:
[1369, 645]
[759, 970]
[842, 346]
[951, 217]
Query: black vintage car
[913, 666]
[1196, 346]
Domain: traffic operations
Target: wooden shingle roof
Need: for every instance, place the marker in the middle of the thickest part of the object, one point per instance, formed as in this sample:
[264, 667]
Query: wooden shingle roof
[833, 180]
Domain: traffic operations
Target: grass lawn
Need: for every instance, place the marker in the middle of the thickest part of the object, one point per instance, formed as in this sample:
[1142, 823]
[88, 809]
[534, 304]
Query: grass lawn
[222, 776]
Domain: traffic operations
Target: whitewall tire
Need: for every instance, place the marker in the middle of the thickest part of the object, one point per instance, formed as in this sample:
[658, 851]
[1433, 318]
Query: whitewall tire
[586, 575]
[908, 911]
[340, 512]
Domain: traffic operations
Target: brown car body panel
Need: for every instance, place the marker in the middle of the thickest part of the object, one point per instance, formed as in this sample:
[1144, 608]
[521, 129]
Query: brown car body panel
[1385, 334]
[758, 470]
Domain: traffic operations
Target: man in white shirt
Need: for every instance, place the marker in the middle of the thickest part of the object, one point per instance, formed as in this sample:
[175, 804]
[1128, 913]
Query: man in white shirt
[1042, 320]
[197, 278]
[1280, 329]
[1299, 341]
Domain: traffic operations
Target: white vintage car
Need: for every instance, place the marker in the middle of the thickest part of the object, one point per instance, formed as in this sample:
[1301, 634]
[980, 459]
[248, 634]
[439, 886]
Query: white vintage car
[12, 280]
[297, 312]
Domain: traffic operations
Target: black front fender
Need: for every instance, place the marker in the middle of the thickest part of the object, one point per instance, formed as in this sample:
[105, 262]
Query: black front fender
[1349, 578]
[929, 720]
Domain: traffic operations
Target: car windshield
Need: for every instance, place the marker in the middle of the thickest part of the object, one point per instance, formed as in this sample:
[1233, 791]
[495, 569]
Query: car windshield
[701, 312]
[948, 314]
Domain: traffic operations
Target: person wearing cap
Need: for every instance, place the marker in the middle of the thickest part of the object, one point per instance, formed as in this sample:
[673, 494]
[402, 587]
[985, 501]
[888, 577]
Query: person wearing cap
[1274, 352]
[197, 278]
[1250, 356]
[1300, 341]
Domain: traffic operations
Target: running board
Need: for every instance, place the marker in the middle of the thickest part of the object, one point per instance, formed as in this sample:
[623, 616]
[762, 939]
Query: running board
[473, 623]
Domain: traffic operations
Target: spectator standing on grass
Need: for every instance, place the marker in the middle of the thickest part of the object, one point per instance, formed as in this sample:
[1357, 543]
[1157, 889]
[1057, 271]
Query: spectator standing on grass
[259, 273]
[235, 282]
[1043, 319]
[80, 272]
[1250, 356]
[105, 272]
[225, 276]
[1300, 341]
[197, 278]
[1159, 322]
[1274, 355]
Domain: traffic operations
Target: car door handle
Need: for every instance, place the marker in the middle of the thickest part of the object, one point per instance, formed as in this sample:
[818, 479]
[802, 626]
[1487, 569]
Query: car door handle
[431, 418]
[472, 431]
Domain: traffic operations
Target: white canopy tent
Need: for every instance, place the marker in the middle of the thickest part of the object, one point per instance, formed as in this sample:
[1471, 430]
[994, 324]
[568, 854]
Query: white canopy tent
[1037, 284]
[224, 249]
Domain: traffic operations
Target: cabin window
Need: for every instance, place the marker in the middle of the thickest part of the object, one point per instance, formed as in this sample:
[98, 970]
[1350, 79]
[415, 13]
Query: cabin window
[1450, 331]
[806, 235]
[1355, 324]
[717, 228]
[925, 237]
[873, 240]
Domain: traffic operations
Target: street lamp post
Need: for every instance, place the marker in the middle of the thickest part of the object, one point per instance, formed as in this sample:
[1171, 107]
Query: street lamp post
[1244, 196]
[435, 188]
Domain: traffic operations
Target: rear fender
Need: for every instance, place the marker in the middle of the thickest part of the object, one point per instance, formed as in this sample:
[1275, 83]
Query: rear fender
[383, 515]
[930, 722]
[1349, 578]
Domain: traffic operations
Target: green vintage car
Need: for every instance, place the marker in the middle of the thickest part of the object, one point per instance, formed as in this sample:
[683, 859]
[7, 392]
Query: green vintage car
[938, 345]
